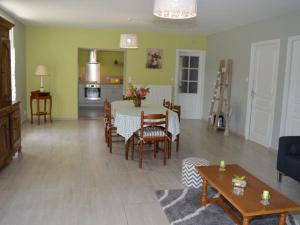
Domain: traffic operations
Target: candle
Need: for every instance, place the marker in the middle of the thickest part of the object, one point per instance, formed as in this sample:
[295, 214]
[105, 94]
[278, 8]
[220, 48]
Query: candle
[265, 195]
[222, 164]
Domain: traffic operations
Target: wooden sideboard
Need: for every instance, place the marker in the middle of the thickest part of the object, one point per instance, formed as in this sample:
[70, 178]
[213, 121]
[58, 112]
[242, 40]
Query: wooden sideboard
[10, 121]
[10, 133]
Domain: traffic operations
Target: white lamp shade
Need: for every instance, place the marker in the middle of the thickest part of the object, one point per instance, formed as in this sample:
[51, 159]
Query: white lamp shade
[129, 41]
[41, 70]
[175, 9]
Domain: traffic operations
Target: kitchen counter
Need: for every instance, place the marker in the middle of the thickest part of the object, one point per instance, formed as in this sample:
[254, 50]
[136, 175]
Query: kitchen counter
[102, 83]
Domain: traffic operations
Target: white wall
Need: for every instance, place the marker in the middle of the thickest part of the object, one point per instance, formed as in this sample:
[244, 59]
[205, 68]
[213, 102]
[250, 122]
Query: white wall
[236, 44]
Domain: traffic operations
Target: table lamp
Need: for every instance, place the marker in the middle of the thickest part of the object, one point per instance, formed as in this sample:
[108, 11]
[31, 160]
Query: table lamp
[41, 71]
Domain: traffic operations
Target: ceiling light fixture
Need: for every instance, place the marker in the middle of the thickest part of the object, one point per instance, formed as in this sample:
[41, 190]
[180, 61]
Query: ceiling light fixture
[129, 41]
[175, 9]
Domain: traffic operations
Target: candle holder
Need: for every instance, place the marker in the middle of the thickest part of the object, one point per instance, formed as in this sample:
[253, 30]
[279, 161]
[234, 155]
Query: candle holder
[239, 191]
[222, 166]
[265, 198]
[239, 184]
[239, 181]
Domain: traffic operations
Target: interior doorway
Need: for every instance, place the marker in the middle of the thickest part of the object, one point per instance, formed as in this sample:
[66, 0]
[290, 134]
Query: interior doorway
[290, 122]
[100, 77]
[190, 68]
[262, 91]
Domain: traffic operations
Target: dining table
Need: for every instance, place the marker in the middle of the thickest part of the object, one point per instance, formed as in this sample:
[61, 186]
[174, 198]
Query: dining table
[127, 117]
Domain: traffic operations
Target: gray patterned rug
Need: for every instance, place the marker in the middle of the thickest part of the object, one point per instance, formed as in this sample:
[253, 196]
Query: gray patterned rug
[183, 207]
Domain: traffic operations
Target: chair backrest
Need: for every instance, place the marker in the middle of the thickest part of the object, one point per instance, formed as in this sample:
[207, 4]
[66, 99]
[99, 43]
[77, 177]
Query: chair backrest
[107, 111]
[177, 109]
[105, 103]
[154, 120]
[167, 104]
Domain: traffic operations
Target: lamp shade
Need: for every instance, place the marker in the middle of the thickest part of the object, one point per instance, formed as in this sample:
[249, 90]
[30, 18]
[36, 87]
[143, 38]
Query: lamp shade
[175, 9]
[41, 70]
[129, 41]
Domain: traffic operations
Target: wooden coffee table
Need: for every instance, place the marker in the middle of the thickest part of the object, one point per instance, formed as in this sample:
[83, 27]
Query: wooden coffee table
[248, 204]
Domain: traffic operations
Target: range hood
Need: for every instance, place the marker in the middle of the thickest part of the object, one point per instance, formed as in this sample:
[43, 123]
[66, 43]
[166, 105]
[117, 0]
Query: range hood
[92, 68]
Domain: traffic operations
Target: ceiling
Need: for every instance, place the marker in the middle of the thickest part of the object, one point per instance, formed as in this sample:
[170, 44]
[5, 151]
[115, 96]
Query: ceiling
[213, 15]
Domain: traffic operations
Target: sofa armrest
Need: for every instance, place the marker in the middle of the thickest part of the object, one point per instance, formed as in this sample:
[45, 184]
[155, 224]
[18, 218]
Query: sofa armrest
[288, 145]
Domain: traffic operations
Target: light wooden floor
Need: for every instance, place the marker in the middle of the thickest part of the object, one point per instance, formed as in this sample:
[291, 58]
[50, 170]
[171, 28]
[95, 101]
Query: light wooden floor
[67, 176]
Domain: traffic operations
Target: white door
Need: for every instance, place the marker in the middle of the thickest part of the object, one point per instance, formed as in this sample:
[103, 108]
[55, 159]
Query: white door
[189, 83]
[262, 91]
[290, 124]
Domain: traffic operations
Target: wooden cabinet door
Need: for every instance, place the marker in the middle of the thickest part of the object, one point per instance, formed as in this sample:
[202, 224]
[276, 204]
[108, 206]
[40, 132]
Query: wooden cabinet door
[5, 72]
[15, 129]
[4, 140]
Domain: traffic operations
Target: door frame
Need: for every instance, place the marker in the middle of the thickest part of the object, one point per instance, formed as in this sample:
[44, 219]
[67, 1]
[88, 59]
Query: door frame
[287, 80]
[202, 55]
[250, 86]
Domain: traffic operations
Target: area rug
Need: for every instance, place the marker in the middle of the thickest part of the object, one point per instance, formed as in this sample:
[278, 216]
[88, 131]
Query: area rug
[183, 207]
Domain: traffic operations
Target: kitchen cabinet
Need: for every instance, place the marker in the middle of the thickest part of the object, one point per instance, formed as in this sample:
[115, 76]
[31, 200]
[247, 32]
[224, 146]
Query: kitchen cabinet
[112, 92]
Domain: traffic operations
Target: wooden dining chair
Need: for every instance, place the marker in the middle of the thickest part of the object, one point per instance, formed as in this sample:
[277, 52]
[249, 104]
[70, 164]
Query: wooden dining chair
[154, 129]
[167, 104]
[110, 129]
[105, 120]
[177, 109]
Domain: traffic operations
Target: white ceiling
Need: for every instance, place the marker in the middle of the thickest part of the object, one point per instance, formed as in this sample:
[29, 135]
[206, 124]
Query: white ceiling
[213, 15]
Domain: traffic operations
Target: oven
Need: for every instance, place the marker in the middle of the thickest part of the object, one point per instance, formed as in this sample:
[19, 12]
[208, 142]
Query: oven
[92, 92]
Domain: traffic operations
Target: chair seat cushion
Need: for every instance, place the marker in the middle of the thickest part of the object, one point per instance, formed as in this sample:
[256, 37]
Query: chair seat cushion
[152, 132]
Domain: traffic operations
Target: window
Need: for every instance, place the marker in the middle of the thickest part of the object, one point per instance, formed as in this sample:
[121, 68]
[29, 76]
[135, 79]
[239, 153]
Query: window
[13, 64]
[189, 69]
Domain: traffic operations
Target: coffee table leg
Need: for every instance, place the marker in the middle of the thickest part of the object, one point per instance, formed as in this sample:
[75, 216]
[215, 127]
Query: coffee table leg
[282, 218]
[246, 220]
[204, 190]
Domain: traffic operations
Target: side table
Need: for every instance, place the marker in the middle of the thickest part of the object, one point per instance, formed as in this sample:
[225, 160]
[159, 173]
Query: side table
[37, 95]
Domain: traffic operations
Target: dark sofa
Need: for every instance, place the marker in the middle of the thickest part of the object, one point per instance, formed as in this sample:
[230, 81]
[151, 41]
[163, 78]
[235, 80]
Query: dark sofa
[288, 160]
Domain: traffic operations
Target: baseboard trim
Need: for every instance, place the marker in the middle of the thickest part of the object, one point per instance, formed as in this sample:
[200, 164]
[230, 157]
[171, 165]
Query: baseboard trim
[53, 118]
[64, 118]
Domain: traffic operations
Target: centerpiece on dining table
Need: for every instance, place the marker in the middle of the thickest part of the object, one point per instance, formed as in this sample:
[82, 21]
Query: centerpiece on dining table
[136, 94]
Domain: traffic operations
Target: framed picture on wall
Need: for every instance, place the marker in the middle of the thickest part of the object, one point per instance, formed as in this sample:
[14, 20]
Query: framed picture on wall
[154, 58]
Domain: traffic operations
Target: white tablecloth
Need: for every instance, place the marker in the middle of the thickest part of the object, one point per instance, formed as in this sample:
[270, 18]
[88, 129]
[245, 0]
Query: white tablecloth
[127, 117]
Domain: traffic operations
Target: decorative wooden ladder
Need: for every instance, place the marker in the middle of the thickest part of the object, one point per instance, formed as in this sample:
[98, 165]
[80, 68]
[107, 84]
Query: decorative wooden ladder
[221, 95]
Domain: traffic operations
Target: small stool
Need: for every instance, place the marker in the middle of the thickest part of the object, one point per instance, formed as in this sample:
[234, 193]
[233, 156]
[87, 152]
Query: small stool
[190, 177]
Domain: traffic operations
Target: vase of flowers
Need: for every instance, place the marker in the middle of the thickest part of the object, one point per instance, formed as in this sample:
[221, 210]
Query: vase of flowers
[136, 94]
[137, 102]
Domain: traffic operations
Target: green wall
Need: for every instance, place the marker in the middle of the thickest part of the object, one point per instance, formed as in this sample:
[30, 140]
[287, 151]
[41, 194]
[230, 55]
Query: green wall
[108, 67]
[57, 48]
